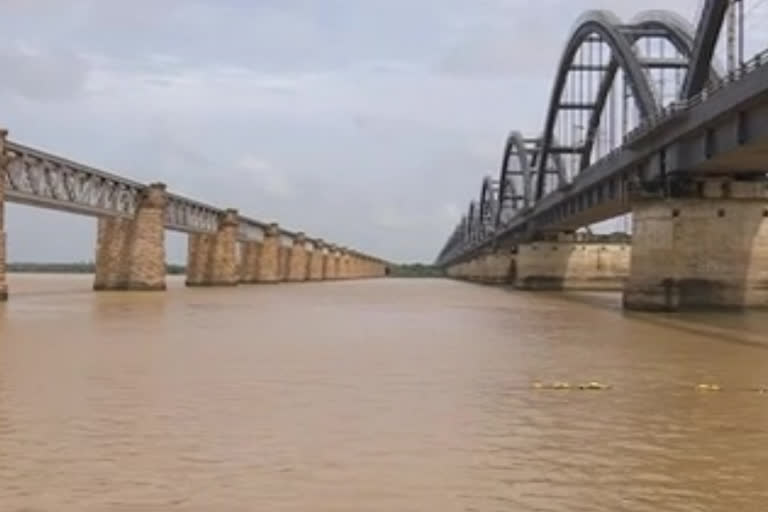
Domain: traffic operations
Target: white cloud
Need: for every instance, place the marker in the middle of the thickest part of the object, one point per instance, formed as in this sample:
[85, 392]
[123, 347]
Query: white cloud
[267, 178]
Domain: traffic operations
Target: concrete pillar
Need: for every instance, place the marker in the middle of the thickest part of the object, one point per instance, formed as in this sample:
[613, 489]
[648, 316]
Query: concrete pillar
[268, 264]
[331, 270]
[212, 257]
[474, 270]
[707, 249]
[3, 170]
[568, 264]
[297, 259]
[250, 252]
[497, 267]
[284, 261]
[130, 252]
[317, 261]
[343, 263]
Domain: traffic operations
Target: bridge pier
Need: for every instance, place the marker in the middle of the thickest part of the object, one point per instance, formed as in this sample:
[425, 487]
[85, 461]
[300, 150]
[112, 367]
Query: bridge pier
[212, 257]
[297, 260]
[250, 251]
[328, 263]
[317, 261]
[268, 259]
[571, 264]
[130, 253]
[343, 268]
[332, 263]
[497, 267]
[706, 250]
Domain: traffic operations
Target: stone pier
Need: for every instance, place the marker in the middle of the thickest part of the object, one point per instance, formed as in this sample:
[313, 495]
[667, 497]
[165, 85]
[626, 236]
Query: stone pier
[331, 270]
[496, 267]
[212, 257]
[344, 263]
[571, 264]
[130, 252]
[705, 248]
[317, 261]
[284, 257]
[268, 262]
[250, 252]
[297, 259]
[3, 165]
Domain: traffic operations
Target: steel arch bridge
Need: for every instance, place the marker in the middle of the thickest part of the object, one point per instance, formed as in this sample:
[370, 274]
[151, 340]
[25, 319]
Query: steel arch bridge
[615, 83]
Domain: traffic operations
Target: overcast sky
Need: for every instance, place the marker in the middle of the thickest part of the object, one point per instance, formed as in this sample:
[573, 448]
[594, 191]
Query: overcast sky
[366, 122]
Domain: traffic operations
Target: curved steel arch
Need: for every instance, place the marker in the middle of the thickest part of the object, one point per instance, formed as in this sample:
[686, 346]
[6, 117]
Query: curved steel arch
[489, 203]
[707, 33]
[606, 25]
[472, 216]
[514, 145]
[677, 31]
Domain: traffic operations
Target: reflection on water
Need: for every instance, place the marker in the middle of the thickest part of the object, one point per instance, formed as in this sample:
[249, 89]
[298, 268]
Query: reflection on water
[386, 395]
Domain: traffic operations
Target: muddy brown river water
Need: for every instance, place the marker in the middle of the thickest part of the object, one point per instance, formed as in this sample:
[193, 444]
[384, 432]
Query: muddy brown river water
[379, 395]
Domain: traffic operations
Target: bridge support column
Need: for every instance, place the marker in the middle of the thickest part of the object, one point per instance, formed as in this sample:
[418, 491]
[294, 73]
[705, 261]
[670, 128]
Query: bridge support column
[317, 261]
[284, 261]
[706, 250]
[297, 259]
[268, 264]
[3, 165]
[130, 253]
[328, 262]
[569, 264]
[497, 267]
[331, 270]
[249, 261]
[212, 257]
[345, 264]
[354, 267]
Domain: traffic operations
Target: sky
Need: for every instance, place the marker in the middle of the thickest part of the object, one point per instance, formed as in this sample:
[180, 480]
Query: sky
[369, 123]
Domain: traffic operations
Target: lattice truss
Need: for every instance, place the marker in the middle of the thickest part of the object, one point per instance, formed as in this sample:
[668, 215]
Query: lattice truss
[34, 177]
[189, 216]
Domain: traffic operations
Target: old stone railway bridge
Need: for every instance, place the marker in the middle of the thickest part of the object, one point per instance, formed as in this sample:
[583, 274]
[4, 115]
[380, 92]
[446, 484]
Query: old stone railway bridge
[225, 248]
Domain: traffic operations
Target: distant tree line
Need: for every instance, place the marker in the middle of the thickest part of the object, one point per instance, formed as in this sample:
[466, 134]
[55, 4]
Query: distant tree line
[72, 268]
[415, 270]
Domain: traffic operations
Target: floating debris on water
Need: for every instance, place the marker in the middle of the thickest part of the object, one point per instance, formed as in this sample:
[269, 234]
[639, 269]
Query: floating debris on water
[594, 386]
[558, 385]
[708, 387]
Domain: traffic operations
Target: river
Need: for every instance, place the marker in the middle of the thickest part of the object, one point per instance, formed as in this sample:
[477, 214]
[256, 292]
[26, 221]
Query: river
[379, 395]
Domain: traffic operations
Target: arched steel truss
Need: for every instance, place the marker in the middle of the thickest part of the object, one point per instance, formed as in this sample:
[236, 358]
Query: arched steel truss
[621, 39]
[707, 33]
[536, 159]
[489, 204]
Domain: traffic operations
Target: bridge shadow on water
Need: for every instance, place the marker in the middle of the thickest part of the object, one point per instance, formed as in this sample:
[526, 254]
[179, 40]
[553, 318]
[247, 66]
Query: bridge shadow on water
[742, 327]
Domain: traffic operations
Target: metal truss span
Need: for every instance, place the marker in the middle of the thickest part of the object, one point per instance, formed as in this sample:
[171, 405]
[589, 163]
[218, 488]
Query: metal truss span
[41, 179]
[38, 178]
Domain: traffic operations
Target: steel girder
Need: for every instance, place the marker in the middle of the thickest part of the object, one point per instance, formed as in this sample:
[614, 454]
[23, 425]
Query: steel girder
[707, 33]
